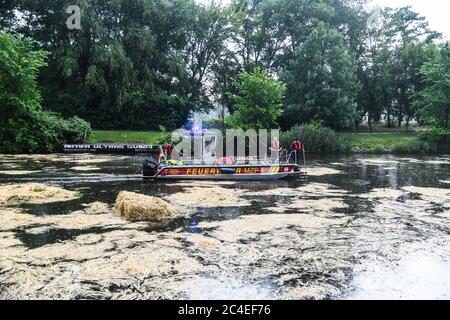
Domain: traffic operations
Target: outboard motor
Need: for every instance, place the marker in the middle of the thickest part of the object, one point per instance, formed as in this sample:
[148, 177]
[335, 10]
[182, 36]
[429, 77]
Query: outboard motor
[150, 167]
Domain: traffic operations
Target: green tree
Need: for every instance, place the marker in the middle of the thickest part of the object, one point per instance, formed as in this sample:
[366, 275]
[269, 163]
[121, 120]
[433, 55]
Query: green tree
[20, 99]
[19, 65]
[262, 37]
[433, 101]
[7, 15]
[124, 69]
[412, 34]
[210, 27]
[24, 125]
[224, 70]
[139, 64]
[271, 30]
[258, 102]
[321, 81]
[375, 69]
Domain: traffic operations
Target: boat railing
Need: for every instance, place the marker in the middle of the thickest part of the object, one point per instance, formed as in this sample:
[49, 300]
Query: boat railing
[293, 157]
[290, 157]
[284, 158]
[284, 153]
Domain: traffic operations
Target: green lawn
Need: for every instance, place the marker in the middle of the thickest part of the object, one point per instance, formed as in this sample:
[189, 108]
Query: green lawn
[146, 137]
[379, 140]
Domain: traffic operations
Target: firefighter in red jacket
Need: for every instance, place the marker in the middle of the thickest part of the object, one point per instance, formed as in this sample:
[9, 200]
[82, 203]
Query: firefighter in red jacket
[298, 148]
[169, 150]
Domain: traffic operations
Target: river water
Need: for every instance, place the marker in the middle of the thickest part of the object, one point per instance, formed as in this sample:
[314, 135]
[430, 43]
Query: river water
[360, 227]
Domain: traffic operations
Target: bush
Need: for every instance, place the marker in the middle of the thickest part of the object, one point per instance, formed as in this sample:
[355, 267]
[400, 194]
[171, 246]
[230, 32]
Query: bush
[77, 130]
[316, 139]
[42, 131]
[410, 147]
[166, 137]
[55, 131]
[24, 125]
[438, 139]
[376, 149]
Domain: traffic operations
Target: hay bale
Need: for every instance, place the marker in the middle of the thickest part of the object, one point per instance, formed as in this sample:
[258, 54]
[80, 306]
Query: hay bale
[138, 207]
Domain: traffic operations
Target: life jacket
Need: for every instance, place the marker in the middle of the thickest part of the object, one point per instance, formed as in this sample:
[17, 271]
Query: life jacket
[175, 163]
[297, 145]
[169, 149]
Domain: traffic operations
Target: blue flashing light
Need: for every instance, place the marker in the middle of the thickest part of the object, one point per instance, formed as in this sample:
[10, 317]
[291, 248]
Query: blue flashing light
[197, 129]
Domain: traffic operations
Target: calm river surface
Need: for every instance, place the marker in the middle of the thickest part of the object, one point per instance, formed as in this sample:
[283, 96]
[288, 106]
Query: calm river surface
[360, 227]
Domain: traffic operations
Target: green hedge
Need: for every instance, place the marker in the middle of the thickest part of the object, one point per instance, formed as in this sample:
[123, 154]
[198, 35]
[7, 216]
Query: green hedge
[316, 139]
[43, 132]
[411, 147]
[76, 130]
[24, 126]
[438, 139]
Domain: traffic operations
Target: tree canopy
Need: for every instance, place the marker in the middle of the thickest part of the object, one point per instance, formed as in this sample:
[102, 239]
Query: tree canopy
[258, 102]
[434, 99]
[24, 125]
[142, 64]
[321, 81]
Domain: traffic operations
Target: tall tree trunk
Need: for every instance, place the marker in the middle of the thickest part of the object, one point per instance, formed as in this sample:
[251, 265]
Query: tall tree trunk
[400, 117]
[447, 116]
[369, 118]
[389, 117]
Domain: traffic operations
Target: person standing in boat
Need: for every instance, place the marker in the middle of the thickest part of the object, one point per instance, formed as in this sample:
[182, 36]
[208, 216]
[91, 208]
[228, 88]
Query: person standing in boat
[169, 150]
[275, 149]
[161, 157]
[297, 146]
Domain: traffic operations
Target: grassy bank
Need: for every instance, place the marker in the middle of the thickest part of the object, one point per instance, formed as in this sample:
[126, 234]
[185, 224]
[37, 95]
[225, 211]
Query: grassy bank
[146, 137]
[377, 142]
[382, 142]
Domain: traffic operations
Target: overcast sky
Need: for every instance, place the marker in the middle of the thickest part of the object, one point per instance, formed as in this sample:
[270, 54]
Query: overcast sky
[436, 11]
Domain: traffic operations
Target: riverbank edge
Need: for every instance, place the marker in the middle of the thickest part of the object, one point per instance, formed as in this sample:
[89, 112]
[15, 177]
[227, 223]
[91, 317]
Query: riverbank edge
[379, 143]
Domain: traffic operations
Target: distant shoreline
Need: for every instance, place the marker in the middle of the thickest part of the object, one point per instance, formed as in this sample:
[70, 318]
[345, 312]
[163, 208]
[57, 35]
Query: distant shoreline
[382, 142]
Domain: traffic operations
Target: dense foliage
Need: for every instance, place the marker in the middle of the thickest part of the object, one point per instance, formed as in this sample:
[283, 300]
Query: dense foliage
[258, 102]
[434, 100]
[316, 138]
[122, 69]
[140, 64]
[322, 81]
[438, 139]
[24, 125]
